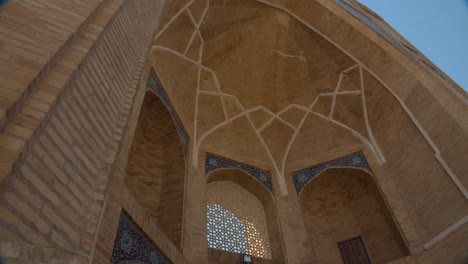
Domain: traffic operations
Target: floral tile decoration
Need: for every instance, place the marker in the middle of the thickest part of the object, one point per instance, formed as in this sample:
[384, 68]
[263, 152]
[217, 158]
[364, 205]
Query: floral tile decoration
[213, 162]
[154, 84]
[356, 160]
[132, 245]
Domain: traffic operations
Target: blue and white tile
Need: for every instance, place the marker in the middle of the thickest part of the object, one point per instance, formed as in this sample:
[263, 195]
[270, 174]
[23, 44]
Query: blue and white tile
[356, 160]
[213, 162]
[131, 245]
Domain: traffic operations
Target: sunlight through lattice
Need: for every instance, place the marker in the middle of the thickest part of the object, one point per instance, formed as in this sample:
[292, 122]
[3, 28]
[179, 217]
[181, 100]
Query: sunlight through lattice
[236, 220]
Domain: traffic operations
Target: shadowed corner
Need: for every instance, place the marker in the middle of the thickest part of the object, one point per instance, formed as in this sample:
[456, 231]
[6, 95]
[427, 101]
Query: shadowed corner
[466, 3]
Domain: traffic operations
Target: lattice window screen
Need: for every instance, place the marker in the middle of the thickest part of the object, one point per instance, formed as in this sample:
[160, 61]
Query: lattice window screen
[236, 220]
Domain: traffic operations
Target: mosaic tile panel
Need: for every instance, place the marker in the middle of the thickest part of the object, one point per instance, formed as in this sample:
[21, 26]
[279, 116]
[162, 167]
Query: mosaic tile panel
[356, 160]
[132, 246]
[154, 84]
[213, 162]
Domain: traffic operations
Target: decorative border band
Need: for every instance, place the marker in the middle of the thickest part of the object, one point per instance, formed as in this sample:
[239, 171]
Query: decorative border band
[356, 160]
[213, 162]
[154, 84]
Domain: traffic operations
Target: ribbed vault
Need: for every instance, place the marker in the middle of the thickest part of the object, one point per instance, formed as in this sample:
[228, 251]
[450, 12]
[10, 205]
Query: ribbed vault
[254, 74]
[258, 64]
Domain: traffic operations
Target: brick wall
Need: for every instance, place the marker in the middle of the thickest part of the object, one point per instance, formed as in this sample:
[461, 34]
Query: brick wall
[352, 207]
[145, 159]
[413, 165]
[119, 198]
[35, 35]
[54, 194]
[375, 221]
[69, 106]
[156, 167]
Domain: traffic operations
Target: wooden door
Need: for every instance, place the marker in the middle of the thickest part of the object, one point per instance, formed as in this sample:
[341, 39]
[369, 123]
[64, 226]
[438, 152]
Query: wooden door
[353, 251]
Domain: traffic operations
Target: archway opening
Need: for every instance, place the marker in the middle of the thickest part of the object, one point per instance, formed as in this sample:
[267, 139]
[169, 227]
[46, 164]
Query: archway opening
[347, 218]
[239, 206]
[156, 167]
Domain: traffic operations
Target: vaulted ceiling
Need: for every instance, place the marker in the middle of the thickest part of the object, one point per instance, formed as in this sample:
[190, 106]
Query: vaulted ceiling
[245, 78]
[283, 85]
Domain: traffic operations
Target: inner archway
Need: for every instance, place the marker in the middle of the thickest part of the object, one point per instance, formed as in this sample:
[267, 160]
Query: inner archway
[156, 167]
[343, 205]
[232, 192]
[236, 220]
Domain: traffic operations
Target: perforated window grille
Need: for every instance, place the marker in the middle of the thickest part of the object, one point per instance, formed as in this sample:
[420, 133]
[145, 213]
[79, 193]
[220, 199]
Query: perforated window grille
[236, 220]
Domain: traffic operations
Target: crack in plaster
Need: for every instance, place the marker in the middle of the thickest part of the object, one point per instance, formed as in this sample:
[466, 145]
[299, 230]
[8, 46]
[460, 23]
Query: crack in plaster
[299, 56]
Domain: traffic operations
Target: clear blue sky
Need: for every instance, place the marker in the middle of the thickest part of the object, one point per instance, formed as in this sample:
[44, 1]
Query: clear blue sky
[438, 28]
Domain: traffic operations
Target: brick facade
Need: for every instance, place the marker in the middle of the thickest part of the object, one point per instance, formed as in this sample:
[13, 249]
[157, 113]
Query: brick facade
[278, 86]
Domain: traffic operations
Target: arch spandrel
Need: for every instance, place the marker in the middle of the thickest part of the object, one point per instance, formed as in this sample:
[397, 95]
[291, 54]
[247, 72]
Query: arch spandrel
[217, 168]
[355, 161]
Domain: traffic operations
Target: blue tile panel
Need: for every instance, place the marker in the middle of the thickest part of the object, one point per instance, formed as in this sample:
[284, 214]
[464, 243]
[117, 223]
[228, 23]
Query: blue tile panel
[356, 160]
[132, 245]
[213, 162]
[154, 84]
